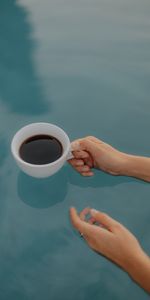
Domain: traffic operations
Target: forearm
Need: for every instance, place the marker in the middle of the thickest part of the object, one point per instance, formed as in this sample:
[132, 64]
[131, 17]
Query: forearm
[136, 166]
[139, 271]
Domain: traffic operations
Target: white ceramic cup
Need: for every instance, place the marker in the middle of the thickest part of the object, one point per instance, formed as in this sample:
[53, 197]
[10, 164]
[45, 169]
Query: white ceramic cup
[41, 171]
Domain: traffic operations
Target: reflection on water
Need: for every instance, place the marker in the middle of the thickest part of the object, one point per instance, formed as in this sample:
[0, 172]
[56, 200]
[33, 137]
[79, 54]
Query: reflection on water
[3, 150]
[20, 88]
[42, 193]
[94, 59]
[36, 262]
[100, 179]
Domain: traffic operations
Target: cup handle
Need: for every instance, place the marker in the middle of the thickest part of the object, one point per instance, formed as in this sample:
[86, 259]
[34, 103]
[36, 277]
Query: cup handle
[70, 155]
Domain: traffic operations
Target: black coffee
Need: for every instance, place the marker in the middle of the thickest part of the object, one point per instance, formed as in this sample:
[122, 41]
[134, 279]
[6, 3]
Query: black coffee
[41, 149]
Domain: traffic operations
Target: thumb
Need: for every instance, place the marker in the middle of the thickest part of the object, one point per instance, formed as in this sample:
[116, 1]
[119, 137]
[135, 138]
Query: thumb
[105, 220]
[83, 145]
[79, 224]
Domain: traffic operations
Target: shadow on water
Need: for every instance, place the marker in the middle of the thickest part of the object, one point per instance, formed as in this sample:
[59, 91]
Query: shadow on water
[100, 179]
[43, 193]
[20, 88]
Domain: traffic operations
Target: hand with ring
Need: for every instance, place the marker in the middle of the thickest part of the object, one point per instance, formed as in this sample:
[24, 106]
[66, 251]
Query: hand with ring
[108, 237]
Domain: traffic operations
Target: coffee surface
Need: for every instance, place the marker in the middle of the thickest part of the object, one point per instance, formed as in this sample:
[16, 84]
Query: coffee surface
[41, 149]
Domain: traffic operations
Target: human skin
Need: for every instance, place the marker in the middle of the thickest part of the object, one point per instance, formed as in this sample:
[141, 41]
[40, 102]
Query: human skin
[109, 237]
[91, 152]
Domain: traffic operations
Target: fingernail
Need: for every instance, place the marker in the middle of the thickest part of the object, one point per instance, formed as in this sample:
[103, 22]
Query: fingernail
[72, 207]
[79, 163]
[85, 168]
[91, 173]
[94, 212]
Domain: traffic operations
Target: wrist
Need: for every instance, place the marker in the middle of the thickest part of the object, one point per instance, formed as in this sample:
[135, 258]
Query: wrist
[133, 262]
[125, 165]
[139, 269]
[136, 166]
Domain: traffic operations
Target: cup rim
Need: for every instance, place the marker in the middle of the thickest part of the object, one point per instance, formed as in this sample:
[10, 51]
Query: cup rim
[19, 159]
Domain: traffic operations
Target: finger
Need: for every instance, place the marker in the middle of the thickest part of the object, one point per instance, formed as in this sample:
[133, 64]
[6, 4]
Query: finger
[80, 225]
[105, 220]
[76, 162]
[83, 213]
[87, 174]
[84, 144]
[89, 162]
[98, 141]
[83, 169]
[75, 145]
[94, 222]
[94, 139]
[80, 154]
[79, 162]
[91, 220]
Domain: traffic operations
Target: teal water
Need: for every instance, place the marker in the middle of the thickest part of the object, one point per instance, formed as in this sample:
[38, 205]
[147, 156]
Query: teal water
[83, 65]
